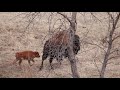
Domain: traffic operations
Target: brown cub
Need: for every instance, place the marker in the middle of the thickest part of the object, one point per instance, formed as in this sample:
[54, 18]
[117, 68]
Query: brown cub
[26, 55]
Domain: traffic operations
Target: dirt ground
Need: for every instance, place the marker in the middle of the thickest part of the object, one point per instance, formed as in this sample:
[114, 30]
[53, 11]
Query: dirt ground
[14, 37]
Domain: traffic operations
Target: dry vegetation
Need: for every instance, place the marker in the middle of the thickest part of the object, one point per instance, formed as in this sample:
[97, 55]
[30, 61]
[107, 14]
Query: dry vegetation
[14, 36]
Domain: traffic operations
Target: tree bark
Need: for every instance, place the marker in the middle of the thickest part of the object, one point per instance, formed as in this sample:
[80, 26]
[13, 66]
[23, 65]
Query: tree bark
[70, 46]
[72, 30]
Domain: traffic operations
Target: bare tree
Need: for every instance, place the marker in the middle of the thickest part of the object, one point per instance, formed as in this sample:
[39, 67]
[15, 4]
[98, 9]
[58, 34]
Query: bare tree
[114, 23]
[72, 30]
[107, 44]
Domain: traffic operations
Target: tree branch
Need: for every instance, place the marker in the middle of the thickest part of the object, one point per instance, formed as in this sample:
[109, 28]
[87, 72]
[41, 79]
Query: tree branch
[114, 57]
[115, 38]
[116, 50]
[95, 17]
[65, 17]
[34, 16]
[96, 45]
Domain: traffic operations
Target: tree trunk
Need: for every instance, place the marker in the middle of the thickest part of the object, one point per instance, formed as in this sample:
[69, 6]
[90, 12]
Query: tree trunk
[73, 63]
[71, 31]
[70, 46]
[105, 61]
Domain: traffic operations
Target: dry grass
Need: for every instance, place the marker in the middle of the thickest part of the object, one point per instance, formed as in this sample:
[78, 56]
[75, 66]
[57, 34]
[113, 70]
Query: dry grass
[14, 37]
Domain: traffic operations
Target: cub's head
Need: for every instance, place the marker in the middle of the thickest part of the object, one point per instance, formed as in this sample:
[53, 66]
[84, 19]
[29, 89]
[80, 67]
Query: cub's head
[37, 54]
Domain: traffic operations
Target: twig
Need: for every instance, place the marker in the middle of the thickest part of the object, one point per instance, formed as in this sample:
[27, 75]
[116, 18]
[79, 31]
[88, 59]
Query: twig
[17, 16]
[95, 17]
[65, 17]
[31, 20]
[96, 45]
[114, 57]
[115, 38]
